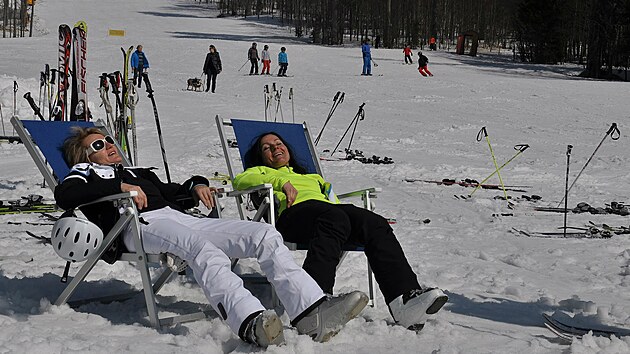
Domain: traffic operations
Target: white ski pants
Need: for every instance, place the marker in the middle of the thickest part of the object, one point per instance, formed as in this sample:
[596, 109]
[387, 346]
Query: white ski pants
[207, 245]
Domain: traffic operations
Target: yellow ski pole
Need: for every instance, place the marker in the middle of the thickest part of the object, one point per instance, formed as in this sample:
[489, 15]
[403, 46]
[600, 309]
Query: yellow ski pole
[494, 160]
[520, 148]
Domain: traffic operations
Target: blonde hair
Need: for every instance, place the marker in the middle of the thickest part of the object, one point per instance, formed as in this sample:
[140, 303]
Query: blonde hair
[73, 149]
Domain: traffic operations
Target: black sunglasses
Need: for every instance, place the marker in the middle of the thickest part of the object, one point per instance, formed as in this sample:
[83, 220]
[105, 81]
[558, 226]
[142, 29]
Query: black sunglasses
[99, 144]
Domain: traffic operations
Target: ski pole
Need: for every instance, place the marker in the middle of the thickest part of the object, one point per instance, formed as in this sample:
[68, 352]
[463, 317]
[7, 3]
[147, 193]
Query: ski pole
[359, 114]
[2, 120]
[15, 90]
[42, 79]
[278, 107]
[373, 62]
[336, 101]
[614, 133]
[520, 149]
[266, 98]
[292, 108]
[484, 133]
[51, 93]
[157, 123]
[33, 105]
[242, 66]
[566, 189]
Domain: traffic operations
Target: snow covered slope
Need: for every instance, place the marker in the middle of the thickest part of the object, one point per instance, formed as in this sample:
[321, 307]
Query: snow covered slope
[499, 282]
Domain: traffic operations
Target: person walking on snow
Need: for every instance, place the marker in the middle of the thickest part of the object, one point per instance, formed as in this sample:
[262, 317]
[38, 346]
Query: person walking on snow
[367, 58]
[283, 61]
[139, 64]
[252, 55]
[407, 52]
[266, 60]
[212, 67]
[423, 63]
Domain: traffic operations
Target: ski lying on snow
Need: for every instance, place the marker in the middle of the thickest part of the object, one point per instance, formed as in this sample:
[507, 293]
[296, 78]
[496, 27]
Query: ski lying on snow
[469, 184]
[560, 234]
[11, 139]
[567, 331]
[20, 257]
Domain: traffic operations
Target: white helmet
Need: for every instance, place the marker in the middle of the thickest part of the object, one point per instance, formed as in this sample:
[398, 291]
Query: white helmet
[74, 239]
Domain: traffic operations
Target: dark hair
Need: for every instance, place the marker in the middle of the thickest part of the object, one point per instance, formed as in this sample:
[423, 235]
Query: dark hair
[283, 49]
[253, 157]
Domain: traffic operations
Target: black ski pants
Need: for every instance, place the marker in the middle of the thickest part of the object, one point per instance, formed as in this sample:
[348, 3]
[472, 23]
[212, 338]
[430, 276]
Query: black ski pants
[326, 228]
[212, 77]
[408, 58]
[254, 69]
[137, 77]
[282, 71]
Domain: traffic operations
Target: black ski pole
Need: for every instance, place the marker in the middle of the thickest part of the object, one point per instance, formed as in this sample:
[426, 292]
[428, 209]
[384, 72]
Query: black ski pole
[42, 80]
[566, 189]
[360, 116]
[51, 104]
[266, 94]
[15, 90]
[614, 133]
[149, 89]
[31, 102]
[356, 118]
[336, 101]
[2, 120]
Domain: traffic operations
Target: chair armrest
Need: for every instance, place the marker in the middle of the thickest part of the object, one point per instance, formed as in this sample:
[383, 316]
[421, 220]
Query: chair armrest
[258, 188]
[112, 197]
[361, 192]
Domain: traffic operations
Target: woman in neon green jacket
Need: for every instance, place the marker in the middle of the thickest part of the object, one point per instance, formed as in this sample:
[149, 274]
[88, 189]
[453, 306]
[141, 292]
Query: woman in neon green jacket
[309, 213]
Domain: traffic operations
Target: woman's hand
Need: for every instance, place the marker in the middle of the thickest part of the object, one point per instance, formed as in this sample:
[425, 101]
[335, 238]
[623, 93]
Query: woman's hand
[204, 193]
[290, 192]
[140, 199]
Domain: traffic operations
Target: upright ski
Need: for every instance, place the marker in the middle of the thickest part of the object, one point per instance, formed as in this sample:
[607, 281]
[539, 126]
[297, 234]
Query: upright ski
[78, 104]
[63, 70]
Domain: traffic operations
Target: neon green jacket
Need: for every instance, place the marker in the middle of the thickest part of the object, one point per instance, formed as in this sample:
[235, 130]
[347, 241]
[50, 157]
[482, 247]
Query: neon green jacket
[309, 186]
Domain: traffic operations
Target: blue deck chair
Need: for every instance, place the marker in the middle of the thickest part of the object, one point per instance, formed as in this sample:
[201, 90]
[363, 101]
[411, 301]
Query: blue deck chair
[43, 140]
[298, 136]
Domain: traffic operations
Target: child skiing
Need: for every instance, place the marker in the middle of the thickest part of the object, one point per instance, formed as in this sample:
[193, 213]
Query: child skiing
[423, 62]
[283, 61]
[407, 52]
[266, 60]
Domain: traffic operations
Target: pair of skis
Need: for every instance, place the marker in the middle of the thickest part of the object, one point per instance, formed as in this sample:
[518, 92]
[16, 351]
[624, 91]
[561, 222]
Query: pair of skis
[72, 44]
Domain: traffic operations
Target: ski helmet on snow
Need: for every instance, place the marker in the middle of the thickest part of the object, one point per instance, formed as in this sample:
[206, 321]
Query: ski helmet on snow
[75, 239]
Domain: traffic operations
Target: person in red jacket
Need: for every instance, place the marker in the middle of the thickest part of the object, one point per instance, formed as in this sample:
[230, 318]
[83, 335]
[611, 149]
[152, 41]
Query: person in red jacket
[407, 52]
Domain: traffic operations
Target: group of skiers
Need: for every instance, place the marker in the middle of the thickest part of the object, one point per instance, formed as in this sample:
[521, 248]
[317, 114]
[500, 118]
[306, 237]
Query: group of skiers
[212, 65]
[252, 56]
[423, 61]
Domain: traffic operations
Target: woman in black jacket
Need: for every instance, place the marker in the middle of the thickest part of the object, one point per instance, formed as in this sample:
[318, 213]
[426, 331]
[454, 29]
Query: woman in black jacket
[212, 67]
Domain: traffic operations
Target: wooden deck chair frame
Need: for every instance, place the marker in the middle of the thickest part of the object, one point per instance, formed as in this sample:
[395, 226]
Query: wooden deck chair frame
[267, 209]
[45, 160]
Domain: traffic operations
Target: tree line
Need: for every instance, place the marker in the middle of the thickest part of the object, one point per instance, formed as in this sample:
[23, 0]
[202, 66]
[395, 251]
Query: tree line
[594, 33]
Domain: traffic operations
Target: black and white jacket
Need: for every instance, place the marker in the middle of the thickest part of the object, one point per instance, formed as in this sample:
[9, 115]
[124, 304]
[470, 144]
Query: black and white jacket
[87, 182]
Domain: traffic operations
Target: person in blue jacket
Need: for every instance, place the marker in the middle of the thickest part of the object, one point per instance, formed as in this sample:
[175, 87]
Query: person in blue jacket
[139, 64]
[367, 58]
[283, 61]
